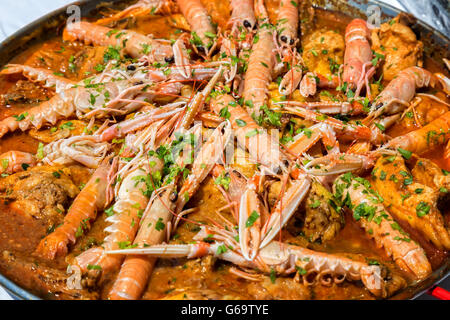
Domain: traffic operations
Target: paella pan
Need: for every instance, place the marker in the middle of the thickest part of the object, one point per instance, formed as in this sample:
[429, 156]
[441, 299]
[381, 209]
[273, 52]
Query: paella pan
[224, 150]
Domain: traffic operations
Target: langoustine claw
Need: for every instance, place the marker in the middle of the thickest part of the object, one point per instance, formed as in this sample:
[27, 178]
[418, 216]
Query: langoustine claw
[87, 150]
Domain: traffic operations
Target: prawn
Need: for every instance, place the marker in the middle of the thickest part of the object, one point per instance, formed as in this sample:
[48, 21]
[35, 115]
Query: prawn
[202, 29]
[44, 76]
[131, 42]
[260, 65]
[372, 216]
[401, 90]
[419, 141]
[358, 67]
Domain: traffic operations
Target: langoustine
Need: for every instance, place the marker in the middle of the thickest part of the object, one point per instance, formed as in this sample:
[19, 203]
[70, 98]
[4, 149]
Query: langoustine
[282, 259]
[421, 140]
[131, 200]
[260, 65]
[358, 66]
[401, 90]
[373, 217]
[90, 101]
[132, 43]
[200, 22]
[136, 270]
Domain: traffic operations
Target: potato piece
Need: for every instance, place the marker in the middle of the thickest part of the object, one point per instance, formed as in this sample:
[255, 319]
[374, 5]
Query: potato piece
[322, 49]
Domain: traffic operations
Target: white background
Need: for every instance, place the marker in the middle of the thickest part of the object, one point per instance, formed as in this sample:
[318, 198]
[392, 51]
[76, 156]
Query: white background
[18, 13]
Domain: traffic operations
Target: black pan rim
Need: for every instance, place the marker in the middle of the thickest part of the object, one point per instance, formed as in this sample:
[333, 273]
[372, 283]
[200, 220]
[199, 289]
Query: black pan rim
[18, 292]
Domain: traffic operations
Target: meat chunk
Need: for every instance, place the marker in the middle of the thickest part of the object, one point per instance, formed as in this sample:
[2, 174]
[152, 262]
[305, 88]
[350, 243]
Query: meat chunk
[24, 91]
[399, 45]
[426, 110]
[322, 221]
[323, 51]
[41, 192]
[47, 282]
